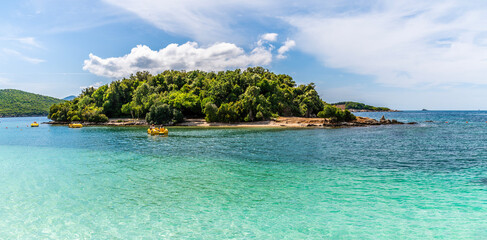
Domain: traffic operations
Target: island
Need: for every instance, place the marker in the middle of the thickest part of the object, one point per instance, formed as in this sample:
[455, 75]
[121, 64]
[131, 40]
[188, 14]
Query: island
[361, 107]
[238, 97]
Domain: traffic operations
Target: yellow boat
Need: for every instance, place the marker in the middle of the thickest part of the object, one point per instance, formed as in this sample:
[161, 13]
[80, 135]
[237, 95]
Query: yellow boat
[157, 131]
[75, 125]
[34, 124]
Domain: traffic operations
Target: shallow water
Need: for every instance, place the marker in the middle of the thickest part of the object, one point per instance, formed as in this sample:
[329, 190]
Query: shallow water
[385, 182]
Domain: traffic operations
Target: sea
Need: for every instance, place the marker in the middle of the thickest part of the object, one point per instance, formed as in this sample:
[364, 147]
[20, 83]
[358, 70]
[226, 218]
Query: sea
[421, 181]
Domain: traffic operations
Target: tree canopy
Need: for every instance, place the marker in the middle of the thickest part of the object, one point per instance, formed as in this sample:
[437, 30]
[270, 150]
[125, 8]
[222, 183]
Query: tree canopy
[227, 96]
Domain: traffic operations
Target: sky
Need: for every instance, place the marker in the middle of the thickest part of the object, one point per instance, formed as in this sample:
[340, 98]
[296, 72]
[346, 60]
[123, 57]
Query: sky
[399, 54]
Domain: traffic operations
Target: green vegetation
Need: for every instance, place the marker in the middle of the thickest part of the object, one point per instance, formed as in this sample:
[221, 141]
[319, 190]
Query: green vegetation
[16, 103]
[230, 96]
[361, 106]
[336, 114]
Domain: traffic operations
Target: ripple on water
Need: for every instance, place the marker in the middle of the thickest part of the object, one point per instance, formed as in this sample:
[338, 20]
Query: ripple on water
[408, 181]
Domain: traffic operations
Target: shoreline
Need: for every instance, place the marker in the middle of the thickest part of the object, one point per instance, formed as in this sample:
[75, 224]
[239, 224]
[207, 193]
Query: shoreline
[281, 122]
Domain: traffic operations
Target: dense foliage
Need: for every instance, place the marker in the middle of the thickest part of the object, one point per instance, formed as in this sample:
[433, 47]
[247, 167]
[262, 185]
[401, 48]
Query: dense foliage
[336, 114]
[15, 103]
[361, 106]
[229, 96]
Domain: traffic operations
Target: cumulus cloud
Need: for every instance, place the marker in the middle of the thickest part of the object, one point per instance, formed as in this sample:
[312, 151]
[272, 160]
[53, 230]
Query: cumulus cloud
[402, 43]
[288, 44]
[188, 56]
[271, 37]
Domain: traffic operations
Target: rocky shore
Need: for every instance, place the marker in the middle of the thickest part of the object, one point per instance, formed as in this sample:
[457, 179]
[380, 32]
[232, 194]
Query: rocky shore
[292, 122]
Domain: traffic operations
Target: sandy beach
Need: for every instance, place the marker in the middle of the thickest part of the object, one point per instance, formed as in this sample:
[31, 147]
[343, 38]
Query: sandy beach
[288, 122]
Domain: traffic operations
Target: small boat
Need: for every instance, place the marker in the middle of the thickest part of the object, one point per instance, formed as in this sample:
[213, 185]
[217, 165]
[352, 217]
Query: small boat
[157, 131]
[75, 125]
[34, 124]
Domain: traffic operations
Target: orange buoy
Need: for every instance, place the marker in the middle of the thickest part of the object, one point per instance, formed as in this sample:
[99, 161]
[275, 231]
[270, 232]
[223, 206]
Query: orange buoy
[446, 122]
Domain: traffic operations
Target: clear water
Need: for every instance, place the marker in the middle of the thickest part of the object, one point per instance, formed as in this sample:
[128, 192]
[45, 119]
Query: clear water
[387, 182]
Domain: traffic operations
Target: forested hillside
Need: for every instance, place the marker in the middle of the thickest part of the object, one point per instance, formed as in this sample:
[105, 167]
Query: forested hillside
[15, 103]
[361, 106]
[230, 96]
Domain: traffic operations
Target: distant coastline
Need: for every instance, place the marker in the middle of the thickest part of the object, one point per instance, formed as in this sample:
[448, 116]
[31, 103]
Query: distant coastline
[361, 107]
[365, 110]
[16, 116]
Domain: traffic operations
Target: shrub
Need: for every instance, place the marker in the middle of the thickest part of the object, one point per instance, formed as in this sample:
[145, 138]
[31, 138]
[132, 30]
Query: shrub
[335, 114]
[159, 113]
[210, 112]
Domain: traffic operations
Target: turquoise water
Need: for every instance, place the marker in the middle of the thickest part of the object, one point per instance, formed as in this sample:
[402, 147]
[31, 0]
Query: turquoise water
[419, 181]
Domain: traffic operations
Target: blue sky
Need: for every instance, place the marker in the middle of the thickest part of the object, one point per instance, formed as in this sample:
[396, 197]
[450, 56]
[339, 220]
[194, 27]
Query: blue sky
[399, 54]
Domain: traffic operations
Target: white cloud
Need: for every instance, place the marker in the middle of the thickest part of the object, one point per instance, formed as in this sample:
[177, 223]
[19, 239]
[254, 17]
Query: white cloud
[402, 43]
[399, 43]
[94, 85]
[271, 37]
[288, 44]
[188, 56]
[28, 41]
[205, 21]
[21, 56]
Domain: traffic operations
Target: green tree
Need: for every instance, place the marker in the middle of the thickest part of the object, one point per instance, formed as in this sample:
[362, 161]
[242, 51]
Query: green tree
[161, 113]
[336, 114]
[211, 111]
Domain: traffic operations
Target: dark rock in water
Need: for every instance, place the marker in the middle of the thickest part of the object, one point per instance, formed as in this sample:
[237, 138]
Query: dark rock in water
[384, 121]
[429, 121]
[412, 123]
[394, 121]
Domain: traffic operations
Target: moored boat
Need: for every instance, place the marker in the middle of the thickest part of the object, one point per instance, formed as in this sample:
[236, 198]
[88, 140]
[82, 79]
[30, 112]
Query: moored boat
[75, 125]
[158, 131]
[34, 124]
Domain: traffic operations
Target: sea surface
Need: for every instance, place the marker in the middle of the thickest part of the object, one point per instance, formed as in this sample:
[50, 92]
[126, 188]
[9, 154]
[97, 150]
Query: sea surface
[423, 181]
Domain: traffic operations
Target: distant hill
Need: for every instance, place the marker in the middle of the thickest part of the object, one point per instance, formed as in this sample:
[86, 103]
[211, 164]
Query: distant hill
[357, 107]
[69, 98]
[16, 103]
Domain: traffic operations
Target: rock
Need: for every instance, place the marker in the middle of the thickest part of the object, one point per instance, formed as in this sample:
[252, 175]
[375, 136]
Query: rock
[412, 123]
[383, 119]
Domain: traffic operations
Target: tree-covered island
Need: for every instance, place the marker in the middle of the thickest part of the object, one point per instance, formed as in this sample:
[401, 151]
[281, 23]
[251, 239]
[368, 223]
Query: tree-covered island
[227, 96]
[356, 106]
